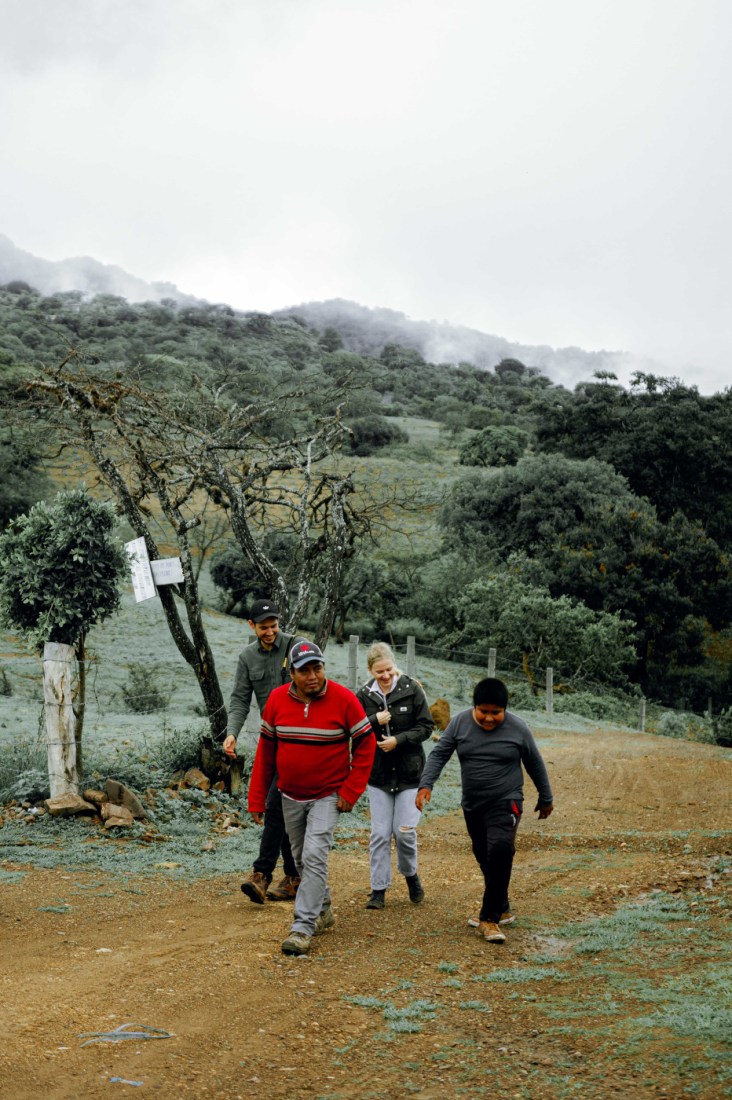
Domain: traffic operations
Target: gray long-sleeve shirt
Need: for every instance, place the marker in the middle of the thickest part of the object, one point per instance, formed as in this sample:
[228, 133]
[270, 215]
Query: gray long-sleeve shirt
[257, 672]
[490, 762]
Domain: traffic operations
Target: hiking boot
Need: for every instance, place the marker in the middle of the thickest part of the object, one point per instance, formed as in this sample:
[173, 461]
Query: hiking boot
[416, 890]
[255, 886]
[506, 918]
[490, 931]
[324, 921]
[297, 943]
[376, 899]
[285, 889]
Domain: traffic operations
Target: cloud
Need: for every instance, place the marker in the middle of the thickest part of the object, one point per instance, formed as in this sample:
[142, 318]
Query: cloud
[554, 173]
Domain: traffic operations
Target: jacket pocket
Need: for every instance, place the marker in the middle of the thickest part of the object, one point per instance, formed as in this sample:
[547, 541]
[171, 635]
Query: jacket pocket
[411, 766]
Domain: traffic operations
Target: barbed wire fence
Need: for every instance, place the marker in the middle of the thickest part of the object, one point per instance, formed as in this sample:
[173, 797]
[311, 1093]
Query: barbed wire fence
[446, 672]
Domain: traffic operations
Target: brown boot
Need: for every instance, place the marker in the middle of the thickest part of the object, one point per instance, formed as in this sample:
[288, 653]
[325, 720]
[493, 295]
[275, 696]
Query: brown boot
[255, 886]
[490, 931]
[285, 889]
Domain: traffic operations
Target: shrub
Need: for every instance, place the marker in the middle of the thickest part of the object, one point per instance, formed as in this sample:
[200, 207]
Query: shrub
[29, 786]
[604, 708]
[370, 433]
[178, 751]
[722, 726]
[6, 687]
[143, 692]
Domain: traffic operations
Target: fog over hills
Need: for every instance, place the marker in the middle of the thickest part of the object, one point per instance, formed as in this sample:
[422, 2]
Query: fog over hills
[362, 329]
[366, 331]
[82, 273]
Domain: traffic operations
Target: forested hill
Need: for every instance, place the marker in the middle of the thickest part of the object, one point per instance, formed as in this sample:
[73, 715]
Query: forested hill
[586, 529]
[367, 331]
[361, 330]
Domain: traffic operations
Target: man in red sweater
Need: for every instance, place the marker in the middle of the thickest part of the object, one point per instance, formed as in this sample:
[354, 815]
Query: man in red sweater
[316, 736]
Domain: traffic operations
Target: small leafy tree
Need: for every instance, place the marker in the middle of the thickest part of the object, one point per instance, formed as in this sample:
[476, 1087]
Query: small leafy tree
[60, 573]
[525, 621]
[494, 447]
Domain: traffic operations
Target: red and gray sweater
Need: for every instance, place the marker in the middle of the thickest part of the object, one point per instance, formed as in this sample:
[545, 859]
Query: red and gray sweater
[319, 747]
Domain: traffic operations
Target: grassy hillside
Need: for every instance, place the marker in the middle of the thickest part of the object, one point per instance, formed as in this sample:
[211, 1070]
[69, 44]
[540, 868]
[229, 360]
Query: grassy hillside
[648, 542]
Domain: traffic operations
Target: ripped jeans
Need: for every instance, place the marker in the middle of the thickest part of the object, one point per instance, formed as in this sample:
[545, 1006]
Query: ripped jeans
[392, 815]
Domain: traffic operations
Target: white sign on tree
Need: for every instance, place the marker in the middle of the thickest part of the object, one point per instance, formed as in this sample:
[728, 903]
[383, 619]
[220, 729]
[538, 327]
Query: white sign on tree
[167, 571]
[142, 578]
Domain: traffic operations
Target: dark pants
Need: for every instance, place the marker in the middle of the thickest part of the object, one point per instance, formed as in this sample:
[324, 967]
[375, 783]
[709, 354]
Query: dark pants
[274, 838]
[492, 830]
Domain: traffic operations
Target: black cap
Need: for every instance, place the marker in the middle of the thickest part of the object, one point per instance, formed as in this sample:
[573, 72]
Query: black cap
[304, 653]
[263, 609]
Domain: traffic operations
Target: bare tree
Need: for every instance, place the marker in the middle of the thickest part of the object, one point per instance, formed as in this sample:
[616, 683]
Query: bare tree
[165, 455]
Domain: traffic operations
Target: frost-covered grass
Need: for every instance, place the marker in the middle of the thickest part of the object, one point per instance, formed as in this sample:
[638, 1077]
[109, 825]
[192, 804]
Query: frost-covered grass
[138, 635]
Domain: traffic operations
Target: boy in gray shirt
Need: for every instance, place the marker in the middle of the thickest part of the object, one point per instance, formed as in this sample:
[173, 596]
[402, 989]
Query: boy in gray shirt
[492, 745]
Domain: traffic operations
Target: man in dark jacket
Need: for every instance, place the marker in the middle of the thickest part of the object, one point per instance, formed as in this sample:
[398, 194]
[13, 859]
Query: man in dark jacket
[262, 666]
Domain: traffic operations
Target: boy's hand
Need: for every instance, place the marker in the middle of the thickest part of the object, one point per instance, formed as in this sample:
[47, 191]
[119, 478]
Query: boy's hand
[344, 806]
[543, 810]
[257, 817]
[229, 745]
[424, 794]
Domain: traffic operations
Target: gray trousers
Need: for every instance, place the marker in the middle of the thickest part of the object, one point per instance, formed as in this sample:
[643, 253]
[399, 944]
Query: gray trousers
[310, 827]
[392, 815]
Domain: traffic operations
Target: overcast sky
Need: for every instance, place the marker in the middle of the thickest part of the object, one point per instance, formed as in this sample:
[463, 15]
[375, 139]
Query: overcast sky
[550, 171]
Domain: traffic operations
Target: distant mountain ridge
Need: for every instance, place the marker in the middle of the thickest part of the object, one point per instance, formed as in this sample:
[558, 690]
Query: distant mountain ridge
[362, 329]
[366, 331]
[82, 273]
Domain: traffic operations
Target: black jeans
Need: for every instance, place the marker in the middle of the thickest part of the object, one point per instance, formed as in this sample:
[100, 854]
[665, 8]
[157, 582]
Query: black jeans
[492, 830]
[274, 838]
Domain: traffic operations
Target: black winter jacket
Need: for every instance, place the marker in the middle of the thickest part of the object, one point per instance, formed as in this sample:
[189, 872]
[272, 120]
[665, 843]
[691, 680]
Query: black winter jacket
[411, 723]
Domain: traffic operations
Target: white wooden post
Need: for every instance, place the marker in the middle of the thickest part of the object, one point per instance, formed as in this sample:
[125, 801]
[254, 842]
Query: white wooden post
[491, 662]
[642, 716]
[353, 661]
[58, 665]
[550, 691]
[411, 657]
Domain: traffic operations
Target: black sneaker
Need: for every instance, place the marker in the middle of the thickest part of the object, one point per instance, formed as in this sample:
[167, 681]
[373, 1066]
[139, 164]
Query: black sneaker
[416, 890]
[376, 899]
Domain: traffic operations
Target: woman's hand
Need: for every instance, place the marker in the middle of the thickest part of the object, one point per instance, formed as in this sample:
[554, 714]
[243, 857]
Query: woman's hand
[388, 744]
[383, 716]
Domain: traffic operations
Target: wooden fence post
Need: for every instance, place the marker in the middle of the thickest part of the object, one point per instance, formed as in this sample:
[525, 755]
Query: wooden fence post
[550, 691]
[353, 661]
[58, 665]
[642, 716]
[411, 657]
[491, 662]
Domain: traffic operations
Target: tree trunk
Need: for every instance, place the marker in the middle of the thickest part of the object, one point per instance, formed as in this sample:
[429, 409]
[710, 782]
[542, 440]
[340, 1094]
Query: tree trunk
[80, 704]
[58, 666]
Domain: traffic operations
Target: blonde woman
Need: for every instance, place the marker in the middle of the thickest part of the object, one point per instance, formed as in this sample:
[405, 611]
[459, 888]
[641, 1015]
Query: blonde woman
[400, 717]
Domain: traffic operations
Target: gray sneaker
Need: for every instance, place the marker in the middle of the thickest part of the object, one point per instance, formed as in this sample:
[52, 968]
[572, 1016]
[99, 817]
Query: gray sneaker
[324, 921]
[297, 943]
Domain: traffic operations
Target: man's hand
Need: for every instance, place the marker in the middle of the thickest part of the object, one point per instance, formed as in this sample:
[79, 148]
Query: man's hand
[424, 794]
[230, 745]
[383, 716]
[343, 806]
[257, 817]
[387, 745]
[543, 810]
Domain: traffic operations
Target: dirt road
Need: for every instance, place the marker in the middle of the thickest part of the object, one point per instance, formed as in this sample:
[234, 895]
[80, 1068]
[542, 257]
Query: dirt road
[615, 979]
